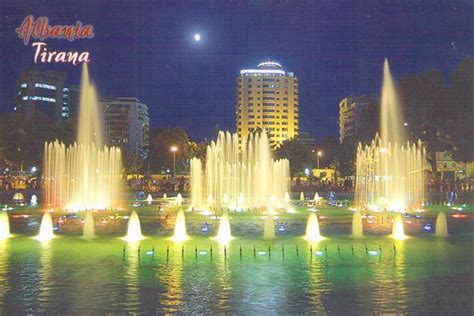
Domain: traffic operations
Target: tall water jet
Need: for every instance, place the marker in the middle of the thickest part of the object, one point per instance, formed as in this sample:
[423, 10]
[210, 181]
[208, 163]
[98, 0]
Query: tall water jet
[441, 225]
[46, 231]
[357, 227]
[88, 230]
[223, 234]
[398, 232]
[85, 175]
[134, 230]
[390, 171]
[269, 227]
[4, 225]
[239, 176]
[180, 233]
[302, 196]
[312, 229]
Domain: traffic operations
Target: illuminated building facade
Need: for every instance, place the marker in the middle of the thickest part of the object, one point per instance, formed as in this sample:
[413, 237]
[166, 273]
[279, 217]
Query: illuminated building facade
[267, 98]
[126, 124]
[358, 119]
[42, 90]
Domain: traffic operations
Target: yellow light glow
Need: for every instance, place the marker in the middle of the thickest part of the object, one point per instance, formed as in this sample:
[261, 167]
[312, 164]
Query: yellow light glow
[223, 234]
[134, 231]
[4, 226]
[46, 228]
[180, 233]
[398, 232]
[313, 233]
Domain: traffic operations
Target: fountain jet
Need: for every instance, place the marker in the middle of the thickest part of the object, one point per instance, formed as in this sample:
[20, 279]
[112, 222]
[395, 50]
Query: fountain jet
[390, 170]
[4, 225]
[357, 227]
[89, 230]
[149, 199]
[441, 225]
[46, 231]
[312, 229]
[223, 234]
[398, 232]
[269, 227]
[180, 234]
[87, 174]
[239, 176]
[134, 230]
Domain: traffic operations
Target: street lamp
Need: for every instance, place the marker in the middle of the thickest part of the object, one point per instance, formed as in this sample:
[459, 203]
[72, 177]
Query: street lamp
[174, 149]
[320, 153]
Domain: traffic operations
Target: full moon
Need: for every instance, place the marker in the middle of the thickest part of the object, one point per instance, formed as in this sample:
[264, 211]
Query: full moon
[197, 37]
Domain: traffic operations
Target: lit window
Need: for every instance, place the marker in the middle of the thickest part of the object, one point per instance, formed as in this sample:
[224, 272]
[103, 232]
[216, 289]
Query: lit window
[23, 85]
[45, 86]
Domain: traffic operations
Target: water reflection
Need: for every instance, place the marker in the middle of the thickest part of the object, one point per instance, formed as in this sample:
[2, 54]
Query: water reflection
[132, 290]
[4, 270]
[45, 281]
[170, 275]
[318, 286]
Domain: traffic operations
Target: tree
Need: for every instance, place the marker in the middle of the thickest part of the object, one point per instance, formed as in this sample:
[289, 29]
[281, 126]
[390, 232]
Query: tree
[427, 112]
[462, 109]
[336, 155]
[297, 154]
[161, 156]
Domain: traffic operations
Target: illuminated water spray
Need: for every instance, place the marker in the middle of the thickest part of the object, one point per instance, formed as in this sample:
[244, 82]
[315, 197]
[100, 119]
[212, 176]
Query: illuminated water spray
[269, 227]
[46, 231]
[134, 230]
[85, 175]
[223, 234]
[4, 225]
[441, 225]
[239, 176]
[390, 170]
[357, 227]
[312, 229]
[180, 233]
[398, 232]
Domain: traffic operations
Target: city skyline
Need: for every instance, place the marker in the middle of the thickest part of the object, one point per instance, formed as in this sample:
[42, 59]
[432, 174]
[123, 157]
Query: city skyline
[157, 59]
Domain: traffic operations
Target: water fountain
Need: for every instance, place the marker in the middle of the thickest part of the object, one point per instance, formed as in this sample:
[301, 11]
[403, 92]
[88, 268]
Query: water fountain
[89, 230]
[357, 227]
[223, 234]
[390, 174]
[134, 230]
[269, 227]
[165, 196]
[85, 175]
[398, 232]
[46, 231]
[239, 178]
[34, 200]
[441, 225]
[316, 198]
[180, 233]
[179, 199]
[302, 198]
[4, 225]
[149, 199]
[312, 229]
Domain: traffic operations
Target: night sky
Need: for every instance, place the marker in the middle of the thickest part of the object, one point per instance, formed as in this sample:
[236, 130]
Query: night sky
[337, 50]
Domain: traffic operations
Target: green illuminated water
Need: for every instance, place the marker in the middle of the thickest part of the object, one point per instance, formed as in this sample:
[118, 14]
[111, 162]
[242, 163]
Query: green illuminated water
[71, 275]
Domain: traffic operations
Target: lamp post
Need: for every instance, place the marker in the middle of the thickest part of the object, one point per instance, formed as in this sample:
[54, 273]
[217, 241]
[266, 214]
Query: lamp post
[174, 149]
[319, 154]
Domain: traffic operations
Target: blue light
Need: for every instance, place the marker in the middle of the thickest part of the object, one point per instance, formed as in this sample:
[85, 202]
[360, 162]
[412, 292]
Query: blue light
[205, 228]
[373, 252]
[281, 229]
[262, 253]
[202, 253]
[428, 227]
[150, 253]
[318, 253]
